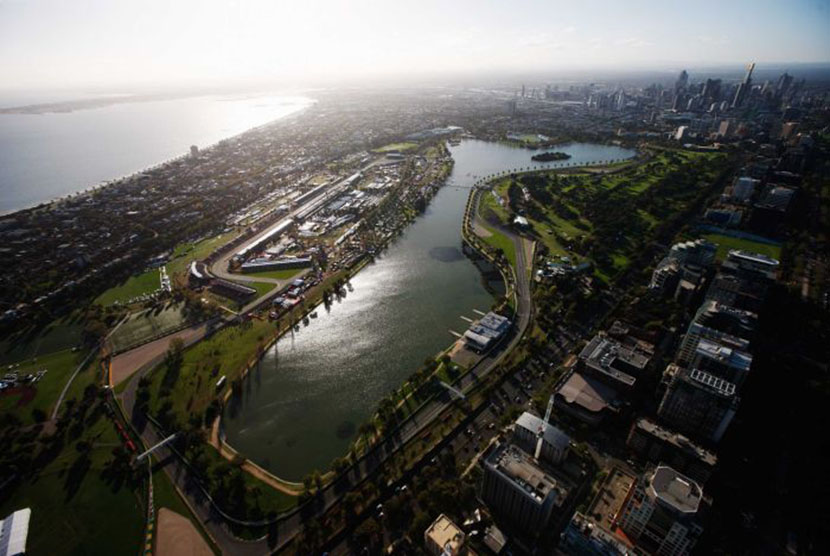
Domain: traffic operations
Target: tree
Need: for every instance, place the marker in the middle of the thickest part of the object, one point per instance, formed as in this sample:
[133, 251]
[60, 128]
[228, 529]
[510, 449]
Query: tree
[366, 534]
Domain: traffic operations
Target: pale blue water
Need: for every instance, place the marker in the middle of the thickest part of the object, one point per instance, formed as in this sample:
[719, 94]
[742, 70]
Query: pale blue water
[45, 156]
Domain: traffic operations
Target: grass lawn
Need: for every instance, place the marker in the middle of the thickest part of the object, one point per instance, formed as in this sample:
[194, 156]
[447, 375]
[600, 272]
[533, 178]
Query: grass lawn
[146, 282]
[224, 353]
[261, 287]
[276, 274]
[30, 342]
[528, 138]
[726, 243]
[147, 324]
[184, 253]
[76, 511]
[405, 146]
[501, 241]
[490, 204]
[59, 365]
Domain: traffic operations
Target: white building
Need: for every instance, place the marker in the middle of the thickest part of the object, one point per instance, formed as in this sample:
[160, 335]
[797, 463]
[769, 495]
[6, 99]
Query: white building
[13, 532]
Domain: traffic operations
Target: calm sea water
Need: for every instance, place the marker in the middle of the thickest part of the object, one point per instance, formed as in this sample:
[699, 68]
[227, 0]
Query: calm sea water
[44, 156]
[301, 407]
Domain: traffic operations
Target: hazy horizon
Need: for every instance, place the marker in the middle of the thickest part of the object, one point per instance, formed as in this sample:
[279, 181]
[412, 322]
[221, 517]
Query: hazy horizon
[142, 46]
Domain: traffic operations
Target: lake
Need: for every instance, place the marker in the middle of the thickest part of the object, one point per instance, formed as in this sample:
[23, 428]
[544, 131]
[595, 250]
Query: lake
[301, 407]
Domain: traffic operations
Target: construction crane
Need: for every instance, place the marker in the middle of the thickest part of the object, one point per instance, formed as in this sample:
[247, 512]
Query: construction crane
[544, 425]
[453, 391]
[156, 447]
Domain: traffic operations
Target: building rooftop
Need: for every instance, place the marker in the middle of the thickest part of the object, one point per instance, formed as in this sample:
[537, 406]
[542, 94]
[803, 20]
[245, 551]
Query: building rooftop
[678, 440]
[723, 354]
[490, 327]
[551, 434]
[599, 538]
[713, 314]
[675, 490]
[711, 382]
[493, 324]
[445, 534]
[521, 470]
[611, 497]
[588, 393]
[609, 357]
[753, 262]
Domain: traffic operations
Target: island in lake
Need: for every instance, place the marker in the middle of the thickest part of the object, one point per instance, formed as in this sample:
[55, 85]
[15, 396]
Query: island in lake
[548, 156]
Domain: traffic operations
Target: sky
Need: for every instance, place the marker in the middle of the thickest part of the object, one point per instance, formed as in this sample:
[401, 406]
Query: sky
[66, 43]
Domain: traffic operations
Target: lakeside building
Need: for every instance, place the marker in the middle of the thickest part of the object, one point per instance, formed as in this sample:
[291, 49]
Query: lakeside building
[444, 538]
[486, 332]
[586, 399]
[656, 444]
[516, 488]
[611, 362]
[662, 516]
[540, 439]
[698, 403]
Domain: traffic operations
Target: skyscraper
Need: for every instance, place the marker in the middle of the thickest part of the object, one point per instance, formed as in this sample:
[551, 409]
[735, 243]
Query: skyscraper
[682, 81]
[744, 87]
[662, 514]
[698, 403]
[711, 90]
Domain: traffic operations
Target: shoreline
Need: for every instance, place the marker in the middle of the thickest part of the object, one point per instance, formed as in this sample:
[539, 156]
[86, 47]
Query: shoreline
[89, 190]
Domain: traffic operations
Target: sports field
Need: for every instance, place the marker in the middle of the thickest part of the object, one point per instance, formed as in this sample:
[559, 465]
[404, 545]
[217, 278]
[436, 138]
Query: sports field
[145, 325]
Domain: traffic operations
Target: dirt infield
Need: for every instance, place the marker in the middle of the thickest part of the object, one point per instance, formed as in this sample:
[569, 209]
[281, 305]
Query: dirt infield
[125, 364]
[176, 536]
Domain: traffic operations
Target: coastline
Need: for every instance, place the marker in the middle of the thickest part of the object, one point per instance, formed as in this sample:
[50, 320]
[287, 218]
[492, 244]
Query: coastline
[307, 103]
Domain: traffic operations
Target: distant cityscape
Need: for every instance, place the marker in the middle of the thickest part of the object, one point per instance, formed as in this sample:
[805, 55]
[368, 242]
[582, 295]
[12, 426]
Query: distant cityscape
[637, 367]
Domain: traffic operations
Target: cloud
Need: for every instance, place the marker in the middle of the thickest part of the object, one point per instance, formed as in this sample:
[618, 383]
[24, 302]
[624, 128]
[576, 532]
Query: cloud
[569, 29]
